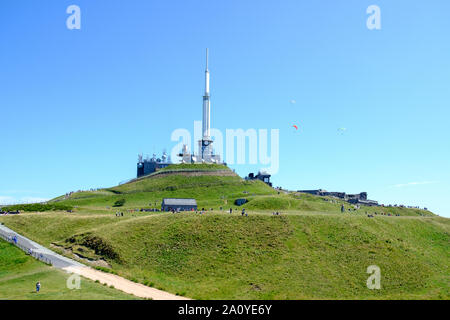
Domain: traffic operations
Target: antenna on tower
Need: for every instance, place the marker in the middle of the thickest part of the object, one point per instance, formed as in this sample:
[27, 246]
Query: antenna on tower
[206, 59]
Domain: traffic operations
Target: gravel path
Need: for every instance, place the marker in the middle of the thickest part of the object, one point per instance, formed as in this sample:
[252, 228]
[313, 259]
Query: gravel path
[72, 266]
[123, 284]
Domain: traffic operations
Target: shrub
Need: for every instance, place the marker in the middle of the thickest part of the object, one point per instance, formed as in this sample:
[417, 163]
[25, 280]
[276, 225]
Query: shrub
[119, 203]
[37, 207]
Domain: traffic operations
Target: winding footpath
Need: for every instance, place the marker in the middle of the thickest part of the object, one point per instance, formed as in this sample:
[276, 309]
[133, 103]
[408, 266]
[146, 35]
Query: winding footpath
[74, 267]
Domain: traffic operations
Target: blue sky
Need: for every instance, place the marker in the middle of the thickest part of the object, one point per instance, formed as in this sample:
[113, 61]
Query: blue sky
[77, 106]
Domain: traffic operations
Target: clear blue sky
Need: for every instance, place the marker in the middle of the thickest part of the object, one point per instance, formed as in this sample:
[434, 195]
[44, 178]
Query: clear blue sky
[77, 106]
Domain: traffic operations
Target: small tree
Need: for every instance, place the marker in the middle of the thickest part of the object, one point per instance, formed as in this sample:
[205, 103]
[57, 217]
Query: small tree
[119, 203]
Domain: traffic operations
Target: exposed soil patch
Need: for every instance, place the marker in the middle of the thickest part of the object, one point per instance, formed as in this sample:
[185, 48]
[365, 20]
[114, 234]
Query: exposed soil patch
[99, 262]
[97, 244]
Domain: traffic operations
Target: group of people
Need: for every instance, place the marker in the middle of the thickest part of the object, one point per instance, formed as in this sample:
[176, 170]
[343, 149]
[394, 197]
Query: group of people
[349, 209]
[276, 213]
[119, 214]
[30, 251]
[9, 212]
[230, 211]
[387, 214]
[371, 215]
[12, 239]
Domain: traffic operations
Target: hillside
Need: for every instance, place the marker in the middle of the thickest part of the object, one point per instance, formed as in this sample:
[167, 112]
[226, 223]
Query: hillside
[19, 274]
[293, 256]
[310, 251]
[213, 186]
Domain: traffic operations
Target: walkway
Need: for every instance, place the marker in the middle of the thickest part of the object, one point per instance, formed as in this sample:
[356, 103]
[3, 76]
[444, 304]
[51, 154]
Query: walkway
[72, 266]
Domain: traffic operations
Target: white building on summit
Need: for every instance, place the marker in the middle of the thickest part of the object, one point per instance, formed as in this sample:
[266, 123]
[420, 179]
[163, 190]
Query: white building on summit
[205, 149]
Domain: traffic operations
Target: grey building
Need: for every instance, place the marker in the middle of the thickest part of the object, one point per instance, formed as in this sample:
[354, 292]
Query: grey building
[240, 202]
[150, 165]
[178, 204]
[359, 198]
[262, 175]
[371, 203]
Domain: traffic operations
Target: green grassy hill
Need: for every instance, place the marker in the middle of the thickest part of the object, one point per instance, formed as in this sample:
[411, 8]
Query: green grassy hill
[19, 274]
[212, 185]
[311, 251]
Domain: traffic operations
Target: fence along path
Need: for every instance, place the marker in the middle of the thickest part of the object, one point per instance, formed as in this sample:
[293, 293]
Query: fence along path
[36, 250]
[72, 266]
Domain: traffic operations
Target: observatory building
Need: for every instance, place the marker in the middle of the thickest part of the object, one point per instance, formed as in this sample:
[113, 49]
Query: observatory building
[150, 165]
[262, 175]
[205, 149]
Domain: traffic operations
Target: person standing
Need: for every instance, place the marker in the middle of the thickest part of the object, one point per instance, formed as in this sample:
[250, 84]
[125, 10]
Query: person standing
[38, 286]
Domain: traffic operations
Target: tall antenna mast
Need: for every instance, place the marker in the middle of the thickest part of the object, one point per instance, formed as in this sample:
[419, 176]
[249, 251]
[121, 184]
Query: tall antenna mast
[206, 104]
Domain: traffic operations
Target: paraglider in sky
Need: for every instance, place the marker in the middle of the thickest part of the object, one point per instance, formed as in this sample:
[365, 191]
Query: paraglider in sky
[296, 128]
[342, 130]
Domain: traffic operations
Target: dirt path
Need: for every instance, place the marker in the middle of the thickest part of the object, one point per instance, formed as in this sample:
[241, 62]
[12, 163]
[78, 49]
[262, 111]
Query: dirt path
[123, 284]
[72, 266]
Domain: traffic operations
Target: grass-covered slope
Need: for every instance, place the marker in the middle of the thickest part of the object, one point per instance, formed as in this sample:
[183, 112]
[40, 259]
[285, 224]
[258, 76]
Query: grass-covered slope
[292, 256]
[212, 186]
[287, 257]
[311, 251]
[19, 274]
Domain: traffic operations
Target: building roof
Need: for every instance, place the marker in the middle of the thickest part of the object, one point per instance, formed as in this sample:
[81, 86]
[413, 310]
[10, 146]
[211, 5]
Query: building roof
[179, 202]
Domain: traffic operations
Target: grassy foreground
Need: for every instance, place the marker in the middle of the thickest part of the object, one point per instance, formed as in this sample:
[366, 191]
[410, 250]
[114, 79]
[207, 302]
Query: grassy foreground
[311, 251]
[293, 256]
[19, 274]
